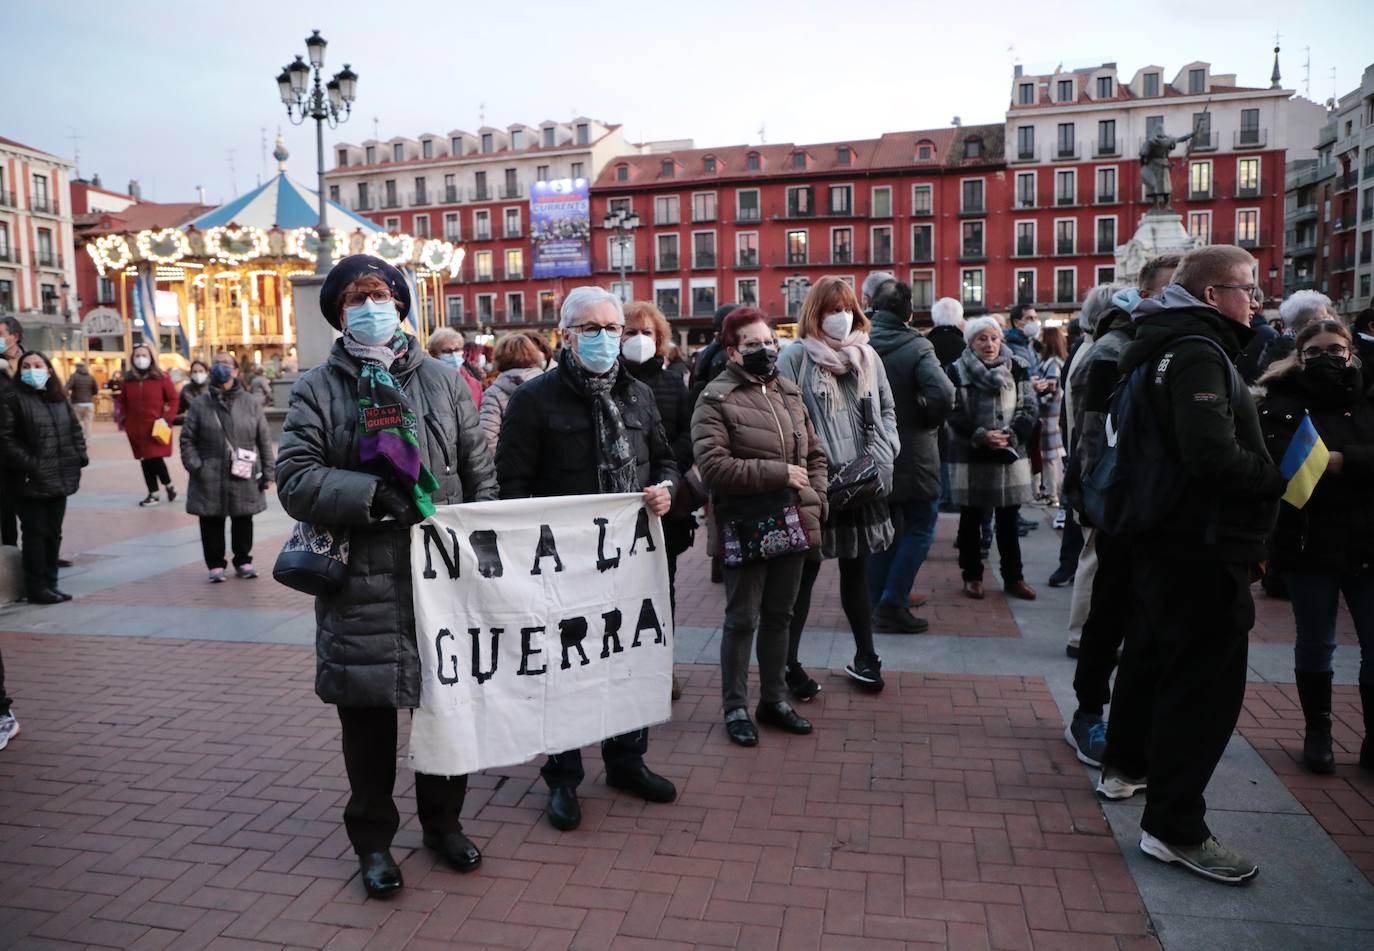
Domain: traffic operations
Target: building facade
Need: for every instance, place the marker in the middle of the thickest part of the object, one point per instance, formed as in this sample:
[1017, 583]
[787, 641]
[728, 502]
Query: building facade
[760, 224]
[37, 263]
[1073, 163]
[474, 189]
[1346, 199]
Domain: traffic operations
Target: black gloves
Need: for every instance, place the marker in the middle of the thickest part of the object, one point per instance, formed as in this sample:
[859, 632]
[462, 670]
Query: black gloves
[388, 500]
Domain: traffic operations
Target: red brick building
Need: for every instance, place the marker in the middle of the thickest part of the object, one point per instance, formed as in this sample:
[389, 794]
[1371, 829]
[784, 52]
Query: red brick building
[759, 224]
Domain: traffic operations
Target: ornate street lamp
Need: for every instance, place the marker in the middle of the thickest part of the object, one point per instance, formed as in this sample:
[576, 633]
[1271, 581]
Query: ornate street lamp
[623, 223]
[331, 103]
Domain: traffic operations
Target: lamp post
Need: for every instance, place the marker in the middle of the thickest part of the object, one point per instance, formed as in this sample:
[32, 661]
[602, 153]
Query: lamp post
[330, 103]
[623, 223]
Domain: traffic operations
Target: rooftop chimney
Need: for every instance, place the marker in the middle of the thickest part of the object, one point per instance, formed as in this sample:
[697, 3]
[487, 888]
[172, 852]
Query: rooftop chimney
[95, 180]
[134, 191]
[1016, 73]
[956, 122]
[200, 194]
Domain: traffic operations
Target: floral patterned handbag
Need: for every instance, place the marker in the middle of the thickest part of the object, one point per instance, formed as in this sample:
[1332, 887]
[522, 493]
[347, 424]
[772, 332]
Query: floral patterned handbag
[763, 537]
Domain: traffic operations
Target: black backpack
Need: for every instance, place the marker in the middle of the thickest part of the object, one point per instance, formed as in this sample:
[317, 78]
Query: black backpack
[1138, 479]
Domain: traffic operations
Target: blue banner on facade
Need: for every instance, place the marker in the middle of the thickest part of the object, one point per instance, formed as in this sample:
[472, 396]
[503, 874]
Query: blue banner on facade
[560, 226]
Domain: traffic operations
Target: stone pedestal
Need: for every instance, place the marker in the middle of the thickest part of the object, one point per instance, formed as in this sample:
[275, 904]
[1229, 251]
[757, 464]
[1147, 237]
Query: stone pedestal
[1161, 231]
[314, 335]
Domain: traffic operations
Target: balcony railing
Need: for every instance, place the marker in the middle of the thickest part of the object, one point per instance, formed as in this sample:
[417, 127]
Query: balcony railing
[882, 256]
[749, 259]
[1107, 198]
[667, 262]
[364, 203]
[44, 205]
[512, 190]
[1247, 191]
[973, 208]
[1203, 142]
[451, 195]
[1110, 148]
[840, 256]
[1251, 242]
[452, 237]
[484, 277]
[795, 258]
[1068, 151]
[1301, 246]
[6, 199]
[419, 198]
[1027, 154]
[1251, 138]
[922, 255]
[1065, 201]
[1025, 248]
[667, 219]
[970, 252]
[482, 193]
[923, 211]
[1343, 223]
[702, 217]
[747, 214]
[704, 259]
[1063, 246]
[1304, 211]
[1106, 247]
[390, 202]
[48, 260]
[796, 211]
[7, 256]
[1347, 181]
[1199, 194]
[1025, 201]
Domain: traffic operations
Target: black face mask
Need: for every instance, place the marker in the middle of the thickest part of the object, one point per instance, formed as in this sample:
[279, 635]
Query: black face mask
[759, 362]
[1328, 369]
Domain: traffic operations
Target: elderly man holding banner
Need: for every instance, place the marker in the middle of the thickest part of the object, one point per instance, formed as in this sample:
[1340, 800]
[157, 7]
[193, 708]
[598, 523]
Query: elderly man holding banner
[588, 427]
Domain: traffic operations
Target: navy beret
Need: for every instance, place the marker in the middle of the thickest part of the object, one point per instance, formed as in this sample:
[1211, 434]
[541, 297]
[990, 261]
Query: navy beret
[349, 270]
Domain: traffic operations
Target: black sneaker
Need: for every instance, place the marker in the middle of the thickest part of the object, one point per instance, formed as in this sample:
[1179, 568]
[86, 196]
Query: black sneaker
[1087, 734]
[801, 686]
[897, 620]
[867, 673]
[150, 501]
[171, 493]
[1062, 576]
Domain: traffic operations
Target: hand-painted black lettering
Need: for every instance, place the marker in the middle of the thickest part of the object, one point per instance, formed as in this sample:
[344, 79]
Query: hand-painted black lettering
[488, 558]
[548, 548]
[648, 618]
[611, 636]
[445, 658]
[642, 531]
[571, 632]
[432, 537]
[482, 676]
[526, 652]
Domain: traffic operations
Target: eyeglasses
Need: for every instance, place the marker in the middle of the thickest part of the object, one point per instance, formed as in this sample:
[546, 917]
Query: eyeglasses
[756, 347]
[631, 332]
[1252, 289]
[589, 331]
[381, 295]
[1334, 350]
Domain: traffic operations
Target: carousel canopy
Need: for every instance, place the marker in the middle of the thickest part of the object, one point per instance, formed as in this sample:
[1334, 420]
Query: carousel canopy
[280, 203]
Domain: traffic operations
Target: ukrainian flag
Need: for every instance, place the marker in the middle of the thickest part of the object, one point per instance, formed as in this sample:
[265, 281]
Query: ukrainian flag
[1303, 464]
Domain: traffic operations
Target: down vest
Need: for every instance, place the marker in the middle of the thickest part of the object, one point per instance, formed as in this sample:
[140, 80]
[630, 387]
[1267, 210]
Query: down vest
[215, 421]
[365, 634]
[745, 433]
[42, 446]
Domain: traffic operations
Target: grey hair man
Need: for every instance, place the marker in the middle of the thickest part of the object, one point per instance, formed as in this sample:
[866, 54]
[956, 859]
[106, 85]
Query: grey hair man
[947, 336]
[870, 286]
[1303, 307]
[584, 427]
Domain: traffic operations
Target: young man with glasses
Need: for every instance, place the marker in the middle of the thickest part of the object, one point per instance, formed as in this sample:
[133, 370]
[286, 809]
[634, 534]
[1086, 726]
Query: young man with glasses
[1182, 681]
[588, 426]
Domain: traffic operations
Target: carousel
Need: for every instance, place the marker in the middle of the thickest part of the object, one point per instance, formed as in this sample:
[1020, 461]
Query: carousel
[221, 282]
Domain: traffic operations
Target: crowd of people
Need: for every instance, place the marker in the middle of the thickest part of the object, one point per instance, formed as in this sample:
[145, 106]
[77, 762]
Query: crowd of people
[842, 445]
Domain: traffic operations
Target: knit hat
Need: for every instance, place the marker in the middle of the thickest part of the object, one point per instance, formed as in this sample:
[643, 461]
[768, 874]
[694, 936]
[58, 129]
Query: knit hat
[349, 270]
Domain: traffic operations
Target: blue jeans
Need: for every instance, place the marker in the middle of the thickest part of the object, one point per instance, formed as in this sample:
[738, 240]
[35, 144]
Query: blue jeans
[1313, 597]
[891, 573]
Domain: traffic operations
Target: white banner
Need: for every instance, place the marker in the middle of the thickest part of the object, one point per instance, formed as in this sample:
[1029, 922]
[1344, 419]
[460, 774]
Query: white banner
[543, 625]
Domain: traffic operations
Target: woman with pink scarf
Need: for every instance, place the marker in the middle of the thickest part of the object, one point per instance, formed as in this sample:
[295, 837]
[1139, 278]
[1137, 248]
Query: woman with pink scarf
[845, 389]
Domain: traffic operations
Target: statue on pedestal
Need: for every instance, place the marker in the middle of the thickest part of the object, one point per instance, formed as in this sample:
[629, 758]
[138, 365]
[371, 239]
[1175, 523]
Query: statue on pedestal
[1154, 166]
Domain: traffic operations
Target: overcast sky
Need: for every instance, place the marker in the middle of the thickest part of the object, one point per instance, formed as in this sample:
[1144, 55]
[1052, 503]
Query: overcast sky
[162, 91]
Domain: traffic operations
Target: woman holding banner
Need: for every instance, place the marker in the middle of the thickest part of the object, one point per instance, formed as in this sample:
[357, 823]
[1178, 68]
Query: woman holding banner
[343, 464]
[1324, 545]
[763, 463]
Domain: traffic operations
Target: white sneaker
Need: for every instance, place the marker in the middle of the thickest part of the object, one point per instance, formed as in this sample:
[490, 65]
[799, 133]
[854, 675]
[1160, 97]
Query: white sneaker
[216, 575]
[9, 729]
[1115, 785]
[1211, 859]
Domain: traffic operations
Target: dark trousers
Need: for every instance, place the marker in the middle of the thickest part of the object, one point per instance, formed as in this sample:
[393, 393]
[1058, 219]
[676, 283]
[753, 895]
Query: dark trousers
[4, 697]
[240, 537]
[1314, 598]
[1070, 541]
[41, 520]
[1111, 611]
[9, 519]
[370, 818]
[762, 594]
[155, 471]
[1181, 685]
[853, 599]
[892, 573]
[1008, 534]
[623, 753]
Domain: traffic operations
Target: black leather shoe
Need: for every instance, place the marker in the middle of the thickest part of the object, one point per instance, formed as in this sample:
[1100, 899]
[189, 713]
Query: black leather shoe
[741, 729]
[783, 716]
[63, 563]
[643, 782]
[456, 849]
[45, 596]
[563, 811]
[62, 594]
[381, 876]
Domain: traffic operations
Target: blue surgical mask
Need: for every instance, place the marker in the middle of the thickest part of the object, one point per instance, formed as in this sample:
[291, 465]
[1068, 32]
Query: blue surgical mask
[452, 359]
[36, 377]
[373, 322]
[1126, 298]
[599, 353]
[221, 374]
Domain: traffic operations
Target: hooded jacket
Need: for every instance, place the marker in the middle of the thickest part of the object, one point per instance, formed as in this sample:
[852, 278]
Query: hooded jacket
[923, 395]
[492, 409]
[1230, 499]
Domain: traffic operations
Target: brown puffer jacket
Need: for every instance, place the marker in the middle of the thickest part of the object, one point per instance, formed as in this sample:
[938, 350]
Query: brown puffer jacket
[745, 433]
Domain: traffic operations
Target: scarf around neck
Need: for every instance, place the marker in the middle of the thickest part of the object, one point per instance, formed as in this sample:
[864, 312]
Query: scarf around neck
[616, 466]
[386, 421]
[851, 353]
[987, 376]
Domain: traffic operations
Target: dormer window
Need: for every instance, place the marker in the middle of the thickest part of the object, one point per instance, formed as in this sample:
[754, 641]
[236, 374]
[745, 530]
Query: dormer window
[488, 142]
[666, 169]
[1150, 85]
[455, 146]
[371, 154]
[343, 157]
[427, 148]
[1105, 87]
[549, 137]
[844, 156]
[708, 165]
[1065, 87]
[517, 139]
[924, 151]
[622, 173]
[1025, 94]
[752, 162]
[583, 133]
[1197, 81]
[799, 160]
[973, 147]
[398, 152]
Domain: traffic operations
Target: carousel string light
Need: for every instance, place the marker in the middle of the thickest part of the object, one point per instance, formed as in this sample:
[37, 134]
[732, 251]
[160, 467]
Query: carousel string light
[148, 243]
[219, 239]
[110, 251]
[392, 248]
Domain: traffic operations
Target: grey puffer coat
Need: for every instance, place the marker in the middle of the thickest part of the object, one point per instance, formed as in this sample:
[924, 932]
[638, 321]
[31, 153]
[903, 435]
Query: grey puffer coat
[365, 649]
[216, 420]
[493, 409]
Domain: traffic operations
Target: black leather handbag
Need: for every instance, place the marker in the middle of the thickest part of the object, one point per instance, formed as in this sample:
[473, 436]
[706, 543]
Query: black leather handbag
[314, 560]
[858, 481]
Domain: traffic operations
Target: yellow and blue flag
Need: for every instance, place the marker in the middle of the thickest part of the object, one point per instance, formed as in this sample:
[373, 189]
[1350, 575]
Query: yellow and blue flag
[1303, 464]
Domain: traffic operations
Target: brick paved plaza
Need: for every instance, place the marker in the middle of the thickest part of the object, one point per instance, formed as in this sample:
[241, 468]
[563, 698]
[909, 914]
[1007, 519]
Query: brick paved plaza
[178, 785]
